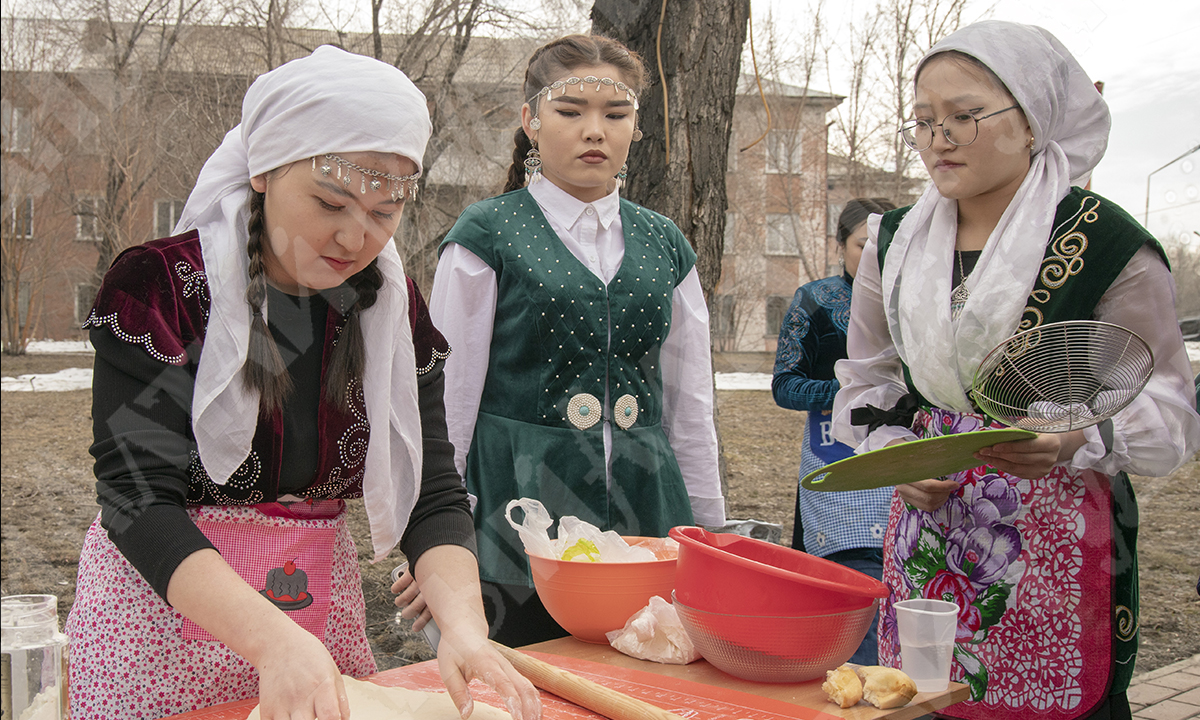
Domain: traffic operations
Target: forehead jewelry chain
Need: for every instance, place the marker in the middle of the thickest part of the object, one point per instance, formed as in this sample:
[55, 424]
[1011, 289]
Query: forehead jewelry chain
[548, 92]
[398, 185]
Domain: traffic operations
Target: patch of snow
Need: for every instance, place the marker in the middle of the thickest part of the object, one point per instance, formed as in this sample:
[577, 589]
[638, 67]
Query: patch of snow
[69, 379]
[54, 347]
[743, 381]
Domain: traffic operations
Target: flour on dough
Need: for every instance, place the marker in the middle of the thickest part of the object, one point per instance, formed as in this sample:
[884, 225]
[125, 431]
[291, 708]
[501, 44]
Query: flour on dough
[369, 701]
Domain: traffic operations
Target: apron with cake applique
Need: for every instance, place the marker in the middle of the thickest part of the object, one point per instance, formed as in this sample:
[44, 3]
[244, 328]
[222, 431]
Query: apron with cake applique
[290, 565]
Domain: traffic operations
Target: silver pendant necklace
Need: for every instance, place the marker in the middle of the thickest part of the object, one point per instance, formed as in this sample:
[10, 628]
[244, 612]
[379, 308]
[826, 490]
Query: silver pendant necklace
[960, 294]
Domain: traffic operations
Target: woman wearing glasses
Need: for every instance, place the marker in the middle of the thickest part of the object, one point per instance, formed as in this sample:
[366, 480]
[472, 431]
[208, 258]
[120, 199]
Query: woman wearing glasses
[1036, 546]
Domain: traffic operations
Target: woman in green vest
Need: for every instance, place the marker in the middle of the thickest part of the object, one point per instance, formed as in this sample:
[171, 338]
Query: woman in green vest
[1037, 545]
[580, 373]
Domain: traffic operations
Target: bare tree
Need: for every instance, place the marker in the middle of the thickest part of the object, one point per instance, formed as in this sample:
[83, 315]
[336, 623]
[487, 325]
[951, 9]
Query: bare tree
[687, 120]
[911, 28]
[31, 234]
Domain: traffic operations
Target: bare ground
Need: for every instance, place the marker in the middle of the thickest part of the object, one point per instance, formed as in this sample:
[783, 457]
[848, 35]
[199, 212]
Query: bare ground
[48, 501]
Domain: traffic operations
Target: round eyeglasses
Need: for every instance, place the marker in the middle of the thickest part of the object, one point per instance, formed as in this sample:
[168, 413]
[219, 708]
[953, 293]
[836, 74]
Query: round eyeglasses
[960, 128]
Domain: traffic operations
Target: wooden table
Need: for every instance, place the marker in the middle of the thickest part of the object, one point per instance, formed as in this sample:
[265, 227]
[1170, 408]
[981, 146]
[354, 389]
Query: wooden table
[697, 691]
[804, 695]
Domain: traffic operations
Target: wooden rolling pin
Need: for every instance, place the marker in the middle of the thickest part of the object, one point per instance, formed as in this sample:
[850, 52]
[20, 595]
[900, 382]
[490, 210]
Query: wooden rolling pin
[584, 693]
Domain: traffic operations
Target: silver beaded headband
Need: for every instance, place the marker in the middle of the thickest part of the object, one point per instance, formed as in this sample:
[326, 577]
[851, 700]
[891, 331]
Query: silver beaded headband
[398, 185]
[548, 91]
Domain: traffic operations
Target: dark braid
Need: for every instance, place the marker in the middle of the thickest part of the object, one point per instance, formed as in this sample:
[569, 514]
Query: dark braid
[348, 361]
[516, 171]
[553, 61]
[264, 370]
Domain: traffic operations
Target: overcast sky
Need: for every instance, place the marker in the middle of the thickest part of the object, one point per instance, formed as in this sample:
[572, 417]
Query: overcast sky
[1147, 52]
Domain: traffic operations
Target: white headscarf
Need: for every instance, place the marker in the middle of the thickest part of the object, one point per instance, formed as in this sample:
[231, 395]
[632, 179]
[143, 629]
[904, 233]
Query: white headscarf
[1070, 123]
[329, 102]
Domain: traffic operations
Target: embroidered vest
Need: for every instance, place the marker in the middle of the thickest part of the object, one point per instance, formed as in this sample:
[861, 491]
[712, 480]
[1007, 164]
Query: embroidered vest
[156, 296]
[560, 334]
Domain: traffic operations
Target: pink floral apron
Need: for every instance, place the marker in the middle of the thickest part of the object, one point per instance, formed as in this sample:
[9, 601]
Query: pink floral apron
[1030, 564]
[133, 656]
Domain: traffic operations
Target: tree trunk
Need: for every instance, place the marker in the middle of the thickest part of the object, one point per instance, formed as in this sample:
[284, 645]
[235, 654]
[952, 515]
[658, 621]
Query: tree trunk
[701, 59]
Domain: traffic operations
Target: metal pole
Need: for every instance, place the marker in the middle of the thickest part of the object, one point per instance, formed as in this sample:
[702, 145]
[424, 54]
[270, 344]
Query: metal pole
[1146, 216]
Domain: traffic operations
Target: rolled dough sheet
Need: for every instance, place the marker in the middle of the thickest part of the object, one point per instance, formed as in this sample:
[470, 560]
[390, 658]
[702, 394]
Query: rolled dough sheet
[369, 701]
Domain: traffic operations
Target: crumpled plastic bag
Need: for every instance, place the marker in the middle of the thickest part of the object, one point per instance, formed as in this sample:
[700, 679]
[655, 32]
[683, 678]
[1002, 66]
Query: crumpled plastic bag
[655, 633]
[577, 540]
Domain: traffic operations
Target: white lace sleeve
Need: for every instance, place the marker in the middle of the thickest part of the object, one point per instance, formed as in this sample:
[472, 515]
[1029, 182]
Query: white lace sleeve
[1160, 429]
[871, 374]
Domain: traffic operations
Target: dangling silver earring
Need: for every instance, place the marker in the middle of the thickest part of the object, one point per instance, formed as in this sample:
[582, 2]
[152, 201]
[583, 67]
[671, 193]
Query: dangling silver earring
[535, 124]
[533, 165]
[620, 176]
[637, 134]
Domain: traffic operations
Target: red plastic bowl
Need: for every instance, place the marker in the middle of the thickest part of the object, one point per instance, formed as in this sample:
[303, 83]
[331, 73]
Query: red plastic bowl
[726, 573]
[782, 649]
[590, 599]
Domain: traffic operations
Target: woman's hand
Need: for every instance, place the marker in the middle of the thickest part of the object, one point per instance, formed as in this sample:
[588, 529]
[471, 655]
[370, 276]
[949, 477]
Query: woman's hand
[927, 495]
[1034, 458]
[410, 601]
[298, 680]
[449, 581]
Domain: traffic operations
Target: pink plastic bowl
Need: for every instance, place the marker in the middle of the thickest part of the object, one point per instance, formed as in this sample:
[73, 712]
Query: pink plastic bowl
[725, 573]
[779, 649]
[590, 599]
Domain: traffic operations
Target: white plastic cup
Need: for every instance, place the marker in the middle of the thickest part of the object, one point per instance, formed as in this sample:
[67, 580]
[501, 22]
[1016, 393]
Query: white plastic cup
[926, 629]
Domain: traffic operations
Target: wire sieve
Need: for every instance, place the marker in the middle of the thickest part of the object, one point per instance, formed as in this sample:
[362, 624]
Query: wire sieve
[1062, 376]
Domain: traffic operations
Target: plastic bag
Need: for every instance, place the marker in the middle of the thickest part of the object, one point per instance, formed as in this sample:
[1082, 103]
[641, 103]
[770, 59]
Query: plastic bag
[655, 633]
[577, 540]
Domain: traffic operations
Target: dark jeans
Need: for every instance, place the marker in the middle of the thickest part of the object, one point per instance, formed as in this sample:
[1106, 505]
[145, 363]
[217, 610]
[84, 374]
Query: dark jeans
[868, 561]
[516, 616]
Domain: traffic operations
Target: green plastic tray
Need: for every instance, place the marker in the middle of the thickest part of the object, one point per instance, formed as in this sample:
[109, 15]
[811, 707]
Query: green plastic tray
[909, 462]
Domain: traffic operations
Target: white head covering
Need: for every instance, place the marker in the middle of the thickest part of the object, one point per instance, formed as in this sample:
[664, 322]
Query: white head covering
[1070, 124]
[329, 102]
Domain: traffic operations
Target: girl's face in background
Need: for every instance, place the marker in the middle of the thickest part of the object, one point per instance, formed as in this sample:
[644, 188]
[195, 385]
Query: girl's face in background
[585, 133]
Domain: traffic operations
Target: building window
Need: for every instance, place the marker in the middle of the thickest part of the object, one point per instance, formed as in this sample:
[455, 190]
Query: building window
[783, 152]
[166, 213]
[781, 234]
[22, 217]
[16, 128]
[85, 297]
[777, 307]
[722, 316]
[87, 224]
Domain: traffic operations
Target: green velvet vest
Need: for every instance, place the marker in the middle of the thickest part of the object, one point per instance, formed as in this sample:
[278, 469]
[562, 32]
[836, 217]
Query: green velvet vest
[1092, 241]
[559, 331]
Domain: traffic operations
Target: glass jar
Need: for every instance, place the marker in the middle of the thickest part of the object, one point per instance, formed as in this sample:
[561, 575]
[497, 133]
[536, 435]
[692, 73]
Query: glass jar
[34, 658]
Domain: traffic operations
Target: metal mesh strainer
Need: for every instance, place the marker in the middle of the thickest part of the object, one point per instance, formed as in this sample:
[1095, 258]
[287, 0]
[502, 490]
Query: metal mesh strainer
[1062, 376]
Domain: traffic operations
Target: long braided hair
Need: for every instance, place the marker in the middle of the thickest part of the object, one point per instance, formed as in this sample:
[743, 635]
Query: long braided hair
[265, 370]
[550, 62]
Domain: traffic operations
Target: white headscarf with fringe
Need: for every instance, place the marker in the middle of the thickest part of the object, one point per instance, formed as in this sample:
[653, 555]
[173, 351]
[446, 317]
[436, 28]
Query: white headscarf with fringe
[1070, 123]
[331, 101]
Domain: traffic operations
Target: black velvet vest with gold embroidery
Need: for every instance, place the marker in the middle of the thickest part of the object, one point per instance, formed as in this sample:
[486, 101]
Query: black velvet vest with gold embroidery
[1092, 241]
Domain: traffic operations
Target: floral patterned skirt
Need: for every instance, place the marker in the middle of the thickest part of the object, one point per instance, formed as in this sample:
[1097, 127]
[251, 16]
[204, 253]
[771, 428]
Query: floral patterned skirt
[1032, 567]
[129, 658]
